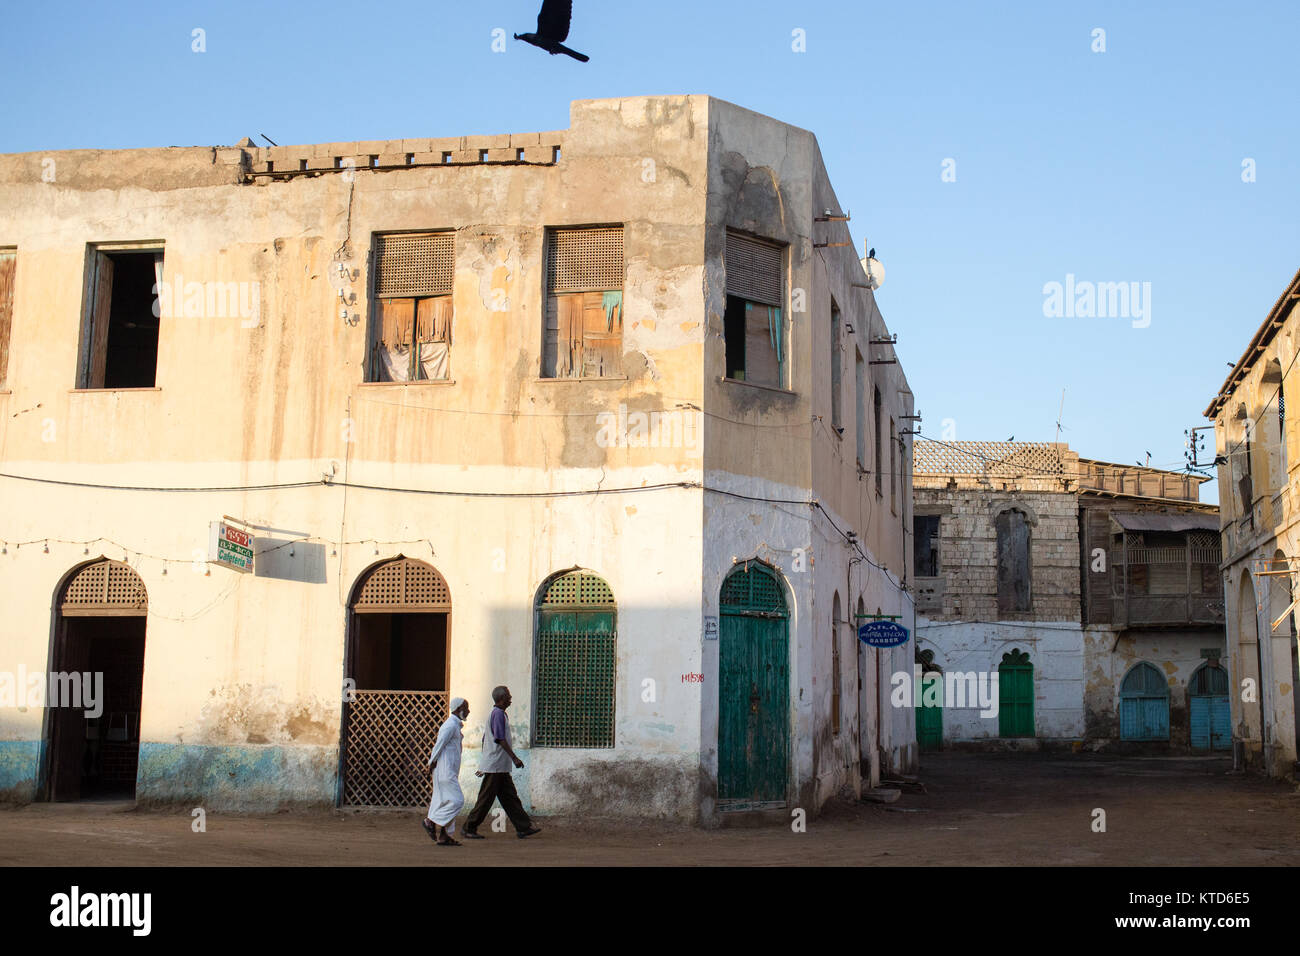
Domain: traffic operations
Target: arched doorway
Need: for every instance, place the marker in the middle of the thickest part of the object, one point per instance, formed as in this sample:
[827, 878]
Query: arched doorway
[93, 723]
[574, 672]
[399, 659]
[1144, 704]
[753, 690]
[1211, 723]
[1250, 657]
[1016, 694]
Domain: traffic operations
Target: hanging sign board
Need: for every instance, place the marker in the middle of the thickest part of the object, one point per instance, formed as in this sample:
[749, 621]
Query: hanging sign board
[882, 634]
[230, 547]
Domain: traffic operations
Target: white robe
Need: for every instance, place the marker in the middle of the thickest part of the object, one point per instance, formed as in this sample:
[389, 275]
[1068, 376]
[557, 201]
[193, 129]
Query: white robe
[447, 799]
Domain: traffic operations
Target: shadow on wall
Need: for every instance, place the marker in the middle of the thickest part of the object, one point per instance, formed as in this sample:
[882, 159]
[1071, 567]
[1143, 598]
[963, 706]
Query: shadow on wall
[288, 559]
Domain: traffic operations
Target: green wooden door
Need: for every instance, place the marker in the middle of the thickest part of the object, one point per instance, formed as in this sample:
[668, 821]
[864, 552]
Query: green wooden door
[929, 728]
[753, 692]
[1016, 695]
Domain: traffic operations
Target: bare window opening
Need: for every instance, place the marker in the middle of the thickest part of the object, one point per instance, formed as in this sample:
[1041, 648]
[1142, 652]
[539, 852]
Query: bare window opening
[753, 328]
[410, 159]
[446, 158]
[925, 545]
[555, 155]
[519, 155]
[270, 166]
[338, 162]
[893, 468]
[482, 156]
[412, 315]
[860, 408]
[837, 412]
[302, 165]
[374, 161]
[120, 346]
[1013, 562]
[584, 303]
[880, 458]
[8, 267]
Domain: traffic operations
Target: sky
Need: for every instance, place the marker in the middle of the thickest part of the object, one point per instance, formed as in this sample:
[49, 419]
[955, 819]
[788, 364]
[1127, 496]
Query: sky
[986, 150]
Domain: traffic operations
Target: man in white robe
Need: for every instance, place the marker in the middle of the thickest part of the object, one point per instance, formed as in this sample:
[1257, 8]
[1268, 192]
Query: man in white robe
[447, 799]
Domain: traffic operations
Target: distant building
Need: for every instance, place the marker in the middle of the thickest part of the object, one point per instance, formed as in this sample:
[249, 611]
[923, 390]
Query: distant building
[1086, 590]
[1258, 452]
[601, 414]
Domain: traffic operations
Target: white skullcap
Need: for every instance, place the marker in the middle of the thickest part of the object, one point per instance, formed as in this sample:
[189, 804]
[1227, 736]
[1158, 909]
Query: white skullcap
[456, 703]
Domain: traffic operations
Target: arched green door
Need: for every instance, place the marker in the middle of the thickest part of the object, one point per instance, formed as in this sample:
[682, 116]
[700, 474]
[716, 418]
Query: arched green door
[753, 691]
[1016, 695]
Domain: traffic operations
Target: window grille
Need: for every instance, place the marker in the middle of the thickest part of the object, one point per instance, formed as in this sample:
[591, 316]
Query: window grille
[105, 587]
[574, 690]
[585, 260]
[404, 584]
[415, 264]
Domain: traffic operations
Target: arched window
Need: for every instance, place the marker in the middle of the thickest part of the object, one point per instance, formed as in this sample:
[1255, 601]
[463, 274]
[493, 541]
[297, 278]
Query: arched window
[574, 670]
[1144, 705]
[1014, 592]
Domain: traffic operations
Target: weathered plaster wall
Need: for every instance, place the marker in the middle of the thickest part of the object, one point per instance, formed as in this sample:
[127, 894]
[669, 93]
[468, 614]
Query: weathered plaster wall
[243, 675]
[1263, 526]
[1054, 648]
[1109, 655]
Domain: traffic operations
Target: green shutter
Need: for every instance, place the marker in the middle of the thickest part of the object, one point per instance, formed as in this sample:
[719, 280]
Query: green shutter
[1016, 695]
[574, 691]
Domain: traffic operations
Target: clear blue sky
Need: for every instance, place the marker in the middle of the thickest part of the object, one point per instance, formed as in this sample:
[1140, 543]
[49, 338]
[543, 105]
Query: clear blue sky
[1117, 166]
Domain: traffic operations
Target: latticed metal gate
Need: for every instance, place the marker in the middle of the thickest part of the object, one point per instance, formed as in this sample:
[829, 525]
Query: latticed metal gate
[390, 734]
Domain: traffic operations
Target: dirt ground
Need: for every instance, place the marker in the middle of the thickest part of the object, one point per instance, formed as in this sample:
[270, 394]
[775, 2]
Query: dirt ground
[985, 809]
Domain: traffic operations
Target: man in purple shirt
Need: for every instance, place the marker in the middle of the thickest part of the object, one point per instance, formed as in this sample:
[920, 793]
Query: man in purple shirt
[494, 767]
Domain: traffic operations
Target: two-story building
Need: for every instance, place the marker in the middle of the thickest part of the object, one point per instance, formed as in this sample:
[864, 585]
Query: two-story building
[296, 442]
[1257, 453]
[1086, 591]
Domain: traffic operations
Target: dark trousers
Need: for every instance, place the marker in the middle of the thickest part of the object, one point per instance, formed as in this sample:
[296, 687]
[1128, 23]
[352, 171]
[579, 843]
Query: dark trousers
[498, 786]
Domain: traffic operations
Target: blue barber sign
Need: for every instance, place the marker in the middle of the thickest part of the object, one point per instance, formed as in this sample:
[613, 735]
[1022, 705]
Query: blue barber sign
[882, 634]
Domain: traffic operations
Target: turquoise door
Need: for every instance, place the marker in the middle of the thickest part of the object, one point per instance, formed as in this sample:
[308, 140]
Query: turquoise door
[753, 691]
[1144, 705]
[1211, 726]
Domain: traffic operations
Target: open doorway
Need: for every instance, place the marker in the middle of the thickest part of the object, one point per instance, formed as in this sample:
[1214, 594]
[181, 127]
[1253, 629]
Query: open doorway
[399, 662]
[97, 665]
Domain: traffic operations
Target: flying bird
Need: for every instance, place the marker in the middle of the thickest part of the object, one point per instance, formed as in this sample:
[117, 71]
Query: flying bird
[553, 29]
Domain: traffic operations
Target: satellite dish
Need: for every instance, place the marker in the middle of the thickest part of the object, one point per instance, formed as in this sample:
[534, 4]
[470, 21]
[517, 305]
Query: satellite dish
[875, 272]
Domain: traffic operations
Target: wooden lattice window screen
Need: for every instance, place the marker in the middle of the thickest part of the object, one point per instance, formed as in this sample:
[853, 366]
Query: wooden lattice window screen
[403, 585]
[415, 264]
[585, 260]
[105, 588]
[574, 688]
[389, 737]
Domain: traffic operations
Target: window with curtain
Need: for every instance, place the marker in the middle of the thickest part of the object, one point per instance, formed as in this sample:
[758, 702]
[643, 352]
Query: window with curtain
[412, 315]
[584, 303]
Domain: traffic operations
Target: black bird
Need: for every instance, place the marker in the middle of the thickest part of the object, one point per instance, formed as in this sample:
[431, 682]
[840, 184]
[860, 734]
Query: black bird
[553, 29]
[871, 254]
